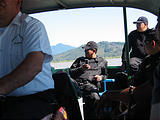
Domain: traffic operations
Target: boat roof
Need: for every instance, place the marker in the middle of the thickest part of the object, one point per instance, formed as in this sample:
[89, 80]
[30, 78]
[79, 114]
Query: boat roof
[35, 6]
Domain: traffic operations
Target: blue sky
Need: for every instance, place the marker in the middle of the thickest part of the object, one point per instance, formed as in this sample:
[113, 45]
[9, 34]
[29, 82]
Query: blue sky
[78, 26]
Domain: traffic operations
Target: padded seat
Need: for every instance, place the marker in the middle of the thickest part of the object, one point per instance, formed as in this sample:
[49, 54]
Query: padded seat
[67, 95]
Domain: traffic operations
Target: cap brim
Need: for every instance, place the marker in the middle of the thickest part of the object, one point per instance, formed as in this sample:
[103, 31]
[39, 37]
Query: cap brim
[137, 22]
[86, 47]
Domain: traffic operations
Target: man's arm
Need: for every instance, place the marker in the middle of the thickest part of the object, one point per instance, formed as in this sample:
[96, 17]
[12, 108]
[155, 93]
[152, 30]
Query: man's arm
[23, 74]
[104, 72]
[77, 68]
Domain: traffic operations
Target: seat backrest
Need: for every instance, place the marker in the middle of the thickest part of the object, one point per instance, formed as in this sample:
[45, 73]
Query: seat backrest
[66, 95]
[63, 84]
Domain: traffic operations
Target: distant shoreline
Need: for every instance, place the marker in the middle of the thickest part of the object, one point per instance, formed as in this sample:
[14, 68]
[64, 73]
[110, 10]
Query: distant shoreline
[62, 65]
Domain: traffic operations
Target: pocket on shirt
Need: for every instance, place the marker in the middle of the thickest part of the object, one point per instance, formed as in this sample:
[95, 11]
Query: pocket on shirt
[16, 51]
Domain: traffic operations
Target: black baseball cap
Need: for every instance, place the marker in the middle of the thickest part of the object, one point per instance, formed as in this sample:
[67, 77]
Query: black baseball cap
[141, 20]
[90, 45]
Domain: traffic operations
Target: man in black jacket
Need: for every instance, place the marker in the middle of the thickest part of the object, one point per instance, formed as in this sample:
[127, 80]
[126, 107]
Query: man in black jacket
[142, 83]
[136, 45]
[155, 49]
[87, 72]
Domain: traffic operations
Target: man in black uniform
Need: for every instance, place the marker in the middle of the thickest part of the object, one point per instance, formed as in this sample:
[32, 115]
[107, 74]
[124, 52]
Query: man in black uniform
[155, 49]
[136, 45]
[87, 72]
[142, 81]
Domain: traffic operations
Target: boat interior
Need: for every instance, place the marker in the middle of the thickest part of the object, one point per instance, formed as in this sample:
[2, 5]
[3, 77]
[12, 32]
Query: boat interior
[38, 6]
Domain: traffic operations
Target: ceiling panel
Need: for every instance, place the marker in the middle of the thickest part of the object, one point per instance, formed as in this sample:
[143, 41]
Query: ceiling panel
[34, 6]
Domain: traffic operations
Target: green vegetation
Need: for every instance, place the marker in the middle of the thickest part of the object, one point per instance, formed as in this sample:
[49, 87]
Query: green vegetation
[105, 50]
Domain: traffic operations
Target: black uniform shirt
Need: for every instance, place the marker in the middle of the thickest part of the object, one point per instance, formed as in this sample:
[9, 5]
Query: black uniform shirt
[147, 70]
[136, 45]
[98, 67]
[156, 78]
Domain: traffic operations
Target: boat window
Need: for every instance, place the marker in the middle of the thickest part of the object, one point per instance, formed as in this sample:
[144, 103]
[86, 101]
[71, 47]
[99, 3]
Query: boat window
[69, 30]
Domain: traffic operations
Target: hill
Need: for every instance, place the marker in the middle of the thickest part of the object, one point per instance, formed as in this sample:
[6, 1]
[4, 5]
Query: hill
[105, 49]
[60, 48]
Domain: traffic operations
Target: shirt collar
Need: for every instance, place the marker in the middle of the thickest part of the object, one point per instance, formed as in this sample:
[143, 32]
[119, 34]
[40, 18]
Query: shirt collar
[17, 20]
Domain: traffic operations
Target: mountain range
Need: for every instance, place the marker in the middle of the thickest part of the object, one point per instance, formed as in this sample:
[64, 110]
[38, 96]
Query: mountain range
[60, 48]
[105, 49]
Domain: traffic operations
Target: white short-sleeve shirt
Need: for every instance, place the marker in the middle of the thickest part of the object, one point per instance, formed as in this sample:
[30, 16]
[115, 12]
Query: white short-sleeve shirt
[24, 35]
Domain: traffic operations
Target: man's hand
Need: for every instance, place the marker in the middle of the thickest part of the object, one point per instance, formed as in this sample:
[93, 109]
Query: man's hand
[85, 67]
[98, 77]
[126, 90]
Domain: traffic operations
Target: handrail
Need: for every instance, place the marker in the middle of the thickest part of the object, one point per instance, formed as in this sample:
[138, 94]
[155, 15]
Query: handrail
[105, 88]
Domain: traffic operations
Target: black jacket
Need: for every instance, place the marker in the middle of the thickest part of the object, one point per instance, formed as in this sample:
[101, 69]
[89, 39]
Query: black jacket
[98, 67]
[156, 79]
[136, 45]
[147, 70]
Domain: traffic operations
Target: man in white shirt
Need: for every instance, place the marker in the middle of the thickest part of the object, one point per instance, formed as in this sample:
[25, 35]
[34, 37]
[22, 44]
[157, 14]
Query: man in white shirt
[25, 71]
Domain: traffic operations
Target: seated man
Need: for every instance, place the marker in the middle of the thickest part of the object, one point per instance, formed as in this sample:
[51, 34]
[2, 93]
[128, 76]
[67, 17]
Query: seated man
[26, 83]
[136, 45]
[87, 72]
[142, 85]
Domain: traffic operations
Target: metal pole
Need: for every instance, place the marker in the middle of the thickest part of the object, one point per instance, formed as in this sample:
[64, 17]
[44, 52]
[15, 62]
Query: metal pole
[126, 39]
[128, 60]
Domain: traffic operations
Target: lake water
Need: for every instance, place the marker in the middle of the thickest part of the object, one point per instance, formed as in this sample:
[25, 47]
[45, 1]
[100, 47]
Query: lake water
[62, 65]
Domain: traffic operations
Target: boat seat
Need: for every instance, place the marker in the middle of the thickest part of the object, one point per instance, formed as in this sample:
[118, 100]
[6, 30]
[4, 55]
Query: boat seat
[67, 96]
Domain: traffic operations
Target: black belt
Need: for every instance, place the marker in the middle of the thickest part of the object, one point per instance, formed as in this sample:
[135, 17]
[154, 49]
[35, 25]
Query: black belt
[41, 95]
